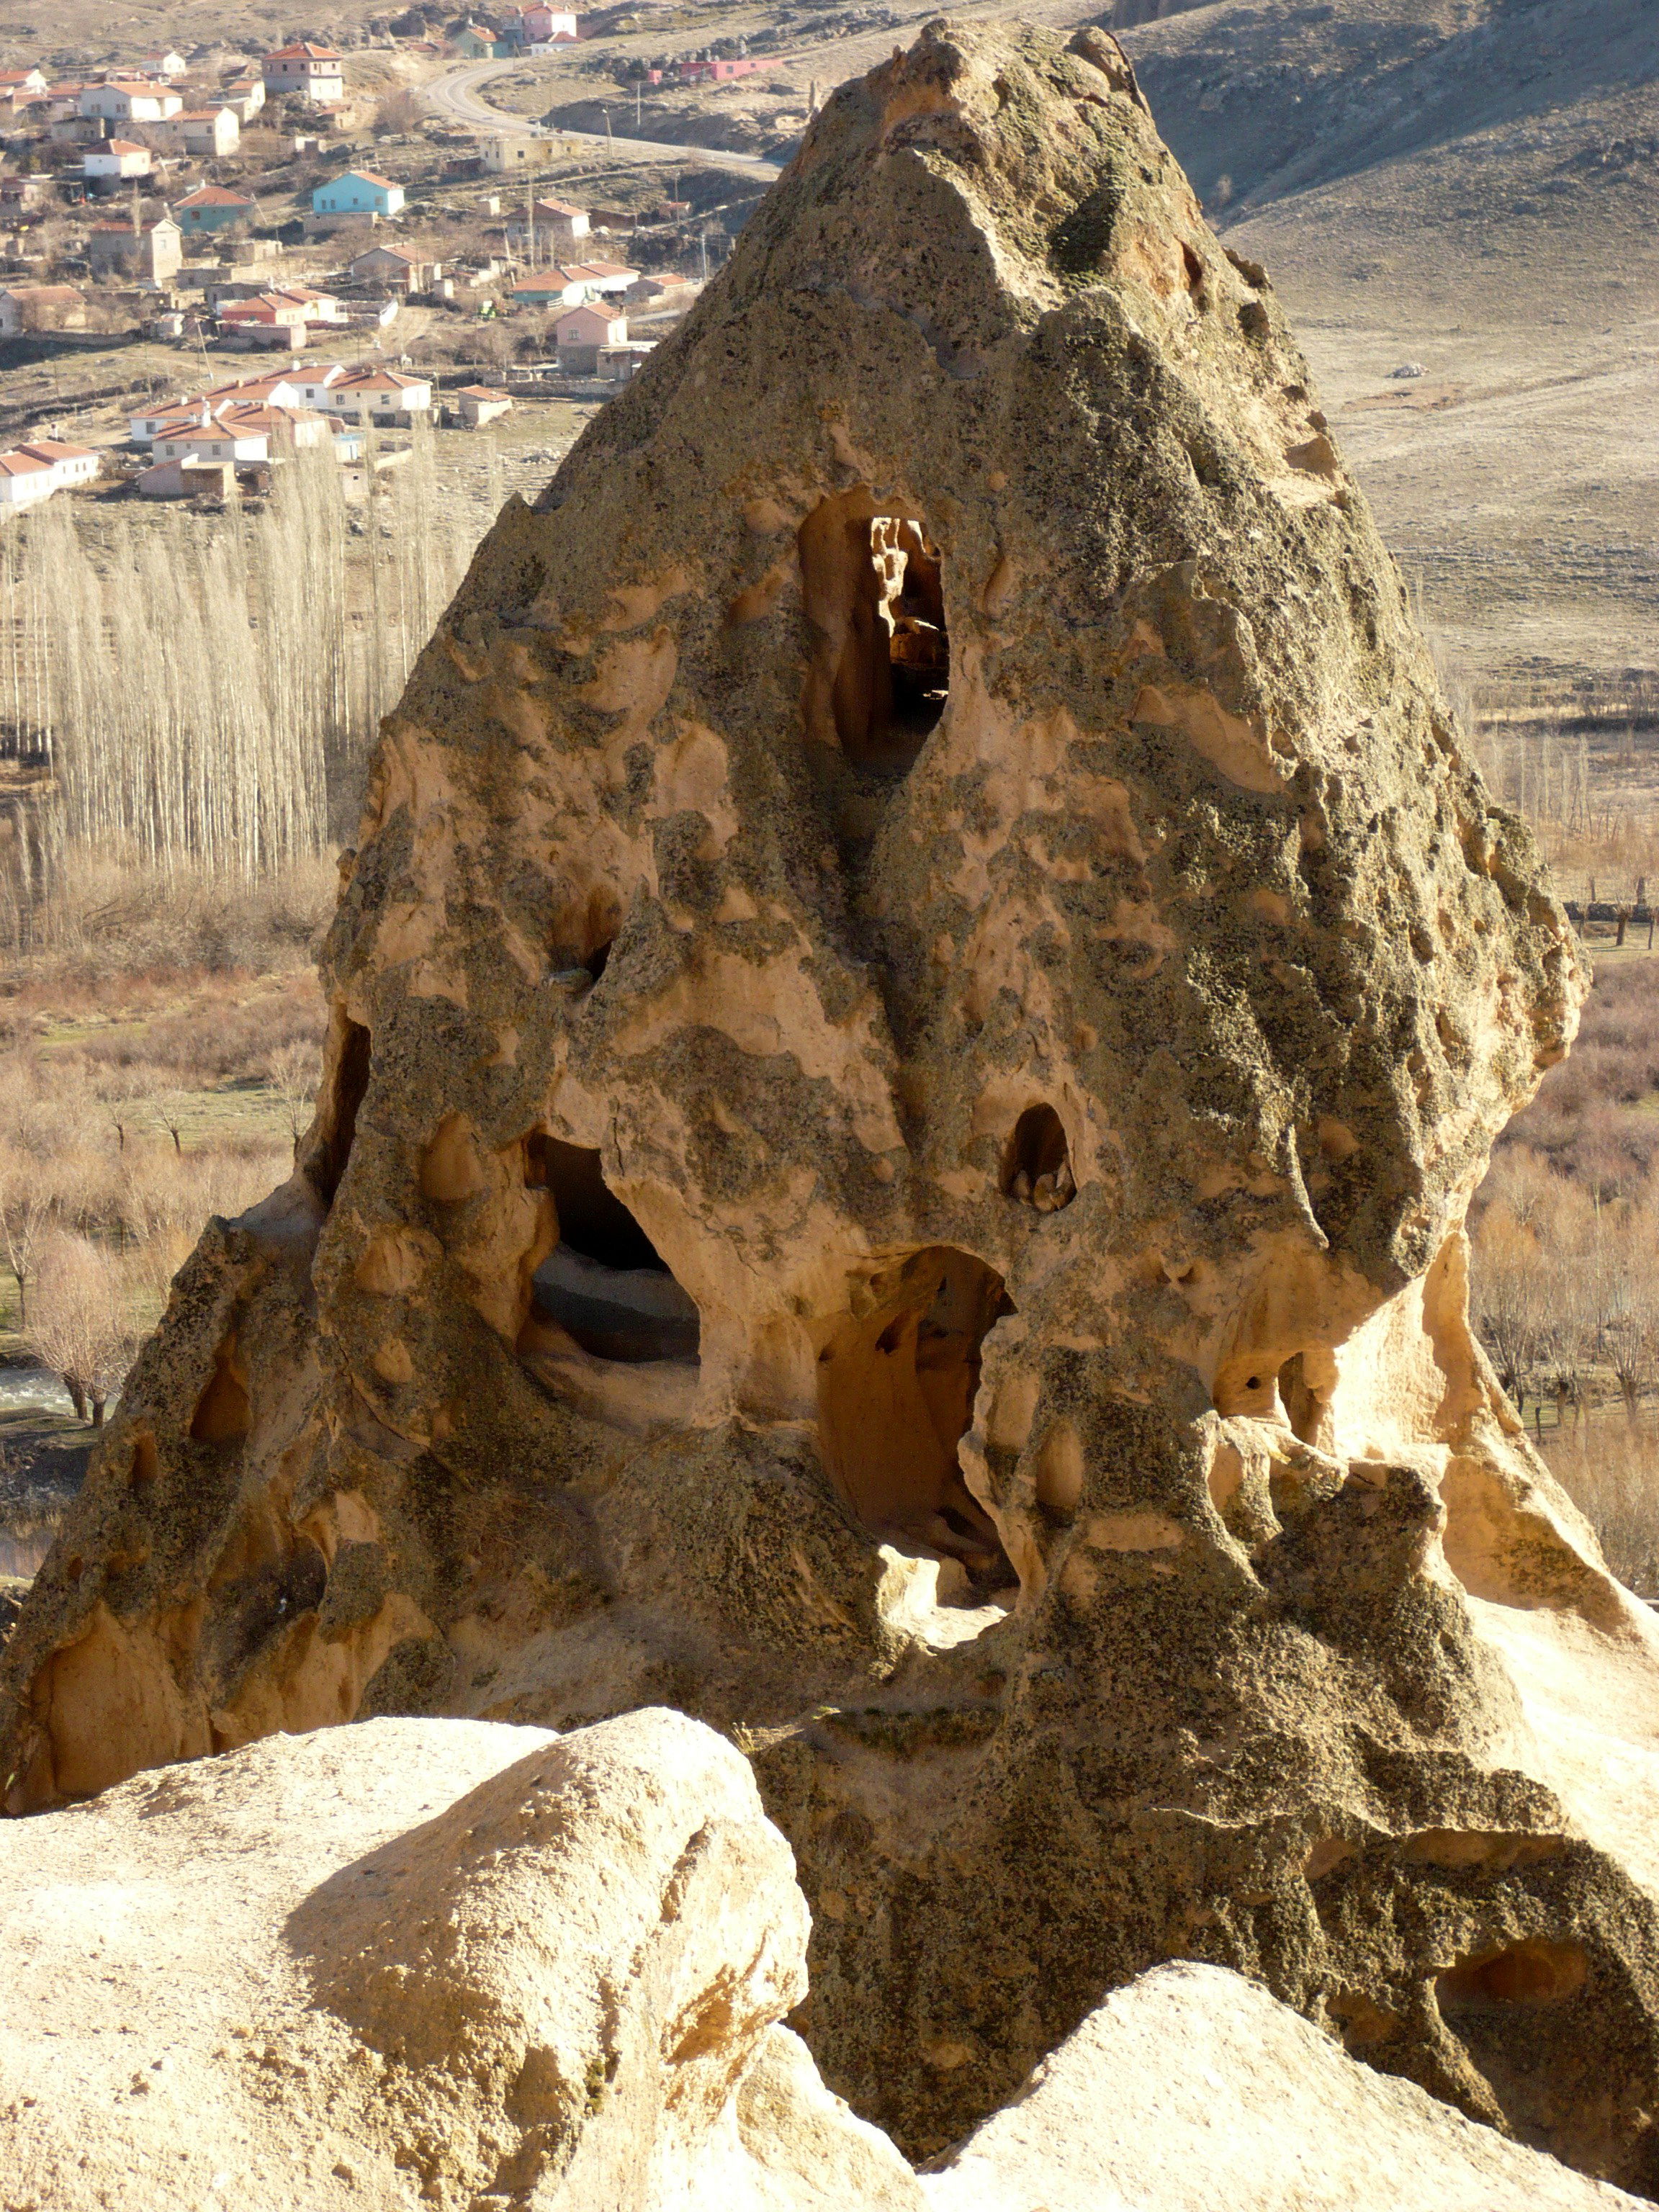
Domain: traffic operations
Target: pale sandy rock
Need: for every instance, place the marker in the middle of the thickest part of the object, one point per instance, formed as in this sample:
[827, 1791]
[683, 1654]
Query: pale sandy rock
[1192, 2089]
[413, 1962]
[922, 990]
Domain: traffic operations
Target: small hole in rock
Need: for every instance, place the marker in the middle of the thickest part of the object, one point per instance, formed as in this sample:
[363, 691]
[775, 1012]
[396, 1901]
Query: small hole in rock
[1037, 1169]
[1533, 1972]
[223, 1411]
[895, 1396]
[604, 1284]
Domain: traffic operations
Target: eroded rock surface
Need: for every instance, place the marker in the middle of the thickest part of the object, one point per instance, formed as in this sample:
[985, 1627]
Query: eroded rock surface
[453, 1964]
[418, 1962]
[921, 997]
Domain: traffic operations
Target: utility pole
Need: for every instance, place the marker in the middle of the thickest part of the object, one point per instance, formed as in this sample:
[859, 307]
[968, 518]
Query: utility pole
[530, 220]
[636, 106]
[703, 241]
[610, 143]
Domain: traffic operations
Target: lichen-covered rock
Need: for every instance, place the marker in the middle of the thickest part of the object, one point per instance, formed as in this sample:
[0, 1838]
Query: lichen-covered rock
[921, 994]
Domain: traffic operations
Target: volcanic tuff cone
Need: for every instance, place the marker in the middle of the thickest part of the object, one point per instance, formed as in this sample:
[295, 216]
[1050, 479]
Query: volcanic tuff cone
[922, 991]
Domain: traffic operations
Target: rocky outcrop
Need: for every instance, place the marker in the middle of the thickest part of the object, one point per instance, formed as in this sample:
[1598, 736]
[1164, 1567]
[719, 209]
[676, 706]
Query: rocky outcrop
[418, 1962]
[447, 1963]
[921, 994]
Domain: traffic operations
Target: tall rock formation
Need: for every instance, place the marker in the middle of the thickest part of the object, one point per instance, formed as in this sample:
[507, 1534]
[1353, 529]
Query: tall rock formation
[921, 994]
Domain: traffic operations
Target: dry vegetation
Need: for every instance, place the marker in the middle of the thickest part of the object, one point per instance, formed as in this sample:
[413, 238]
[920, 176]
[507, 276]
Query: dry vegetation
[1565, 1234]
[201, 691]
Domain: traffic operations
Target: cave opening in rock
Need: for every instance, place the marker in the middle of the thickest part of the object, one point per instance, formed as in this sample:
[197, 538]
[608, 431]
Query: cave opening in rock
[872, 588]
[342, 1100]
[896, 1382]
[1037, 1168]
[604, 1284]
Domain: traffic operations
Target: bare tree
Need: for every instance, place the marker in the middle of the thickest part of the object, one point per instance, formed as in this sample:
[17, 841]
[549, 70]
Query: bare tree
[26, 1213]
[80, 1327]
[295, 1071]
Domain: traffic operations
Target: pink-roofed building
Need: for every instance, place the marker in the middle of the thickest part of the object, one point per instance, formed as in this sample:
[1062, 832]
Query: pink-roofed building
[315, 73]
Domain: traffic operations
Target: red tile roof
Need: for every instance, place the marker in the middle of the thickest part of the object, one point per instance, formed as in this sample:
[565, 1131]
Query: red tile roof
[304, 51]
[21, 464]
[215, 196]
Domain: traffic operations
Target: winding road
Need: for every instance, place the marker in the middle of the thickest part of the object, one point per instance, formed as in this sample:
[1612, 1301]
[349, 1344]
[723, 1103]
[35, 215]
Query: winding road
[455, 96]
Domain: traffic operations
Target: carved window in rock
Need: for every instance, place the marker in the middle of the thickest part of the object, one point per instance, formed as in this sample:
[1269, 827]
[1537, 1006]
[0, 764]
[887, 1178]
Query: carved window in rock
[603, 1286]
[1038, 1168]
[873, 592]
[896, 1383]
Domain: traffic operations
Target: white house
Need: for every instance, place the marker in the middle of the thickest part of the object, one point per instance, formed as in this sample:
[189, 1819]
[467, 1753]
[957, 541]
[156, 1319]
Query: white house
[115, 157]
[316, 73]
[243, 433]
[281, 390]
[131, 101]
[25, 478]
[33, 472]
[385, 395]
[209, 133]
[164, 66]
[72, 464]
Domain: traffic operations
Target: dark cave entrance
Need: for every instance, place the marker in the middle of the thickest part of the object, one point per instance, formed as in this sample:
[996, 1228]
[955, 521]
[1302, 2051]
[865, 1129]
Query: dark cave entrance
[872, 588]
[604, 1284]
[897, 1385]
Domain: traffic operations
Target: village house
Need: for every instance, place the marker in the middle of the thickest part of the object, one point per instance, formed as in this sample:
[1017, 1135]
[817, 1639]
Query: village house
[210, 134]
[478, 403]
[31, 473]
[244, 98]
[569, 284]
[285, 315]
[359, 191]
[558, 225]
[314, 73]
[128, 100]
[163, 66]
[114, 159]
[392, 266]
[188, 479]
[23, 195]
[504, 153]
[482, 42]
[579, 335]
[41, 307]
[280, 390]
[27, 80]
[545, 27]
[147, 255]
[247, 432]
[213, 208]
[387, 396]
[664, 291]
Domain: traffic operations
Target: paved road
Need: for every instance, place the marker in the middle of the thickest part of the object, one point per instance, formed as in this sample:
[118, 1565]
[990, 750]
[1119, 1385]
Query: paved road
[455, 96]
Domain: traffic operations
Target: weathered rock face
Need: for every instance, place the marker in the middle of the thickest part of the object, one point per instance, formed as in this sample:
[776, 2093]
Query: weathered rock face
[922, 993]
[456, 1963]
